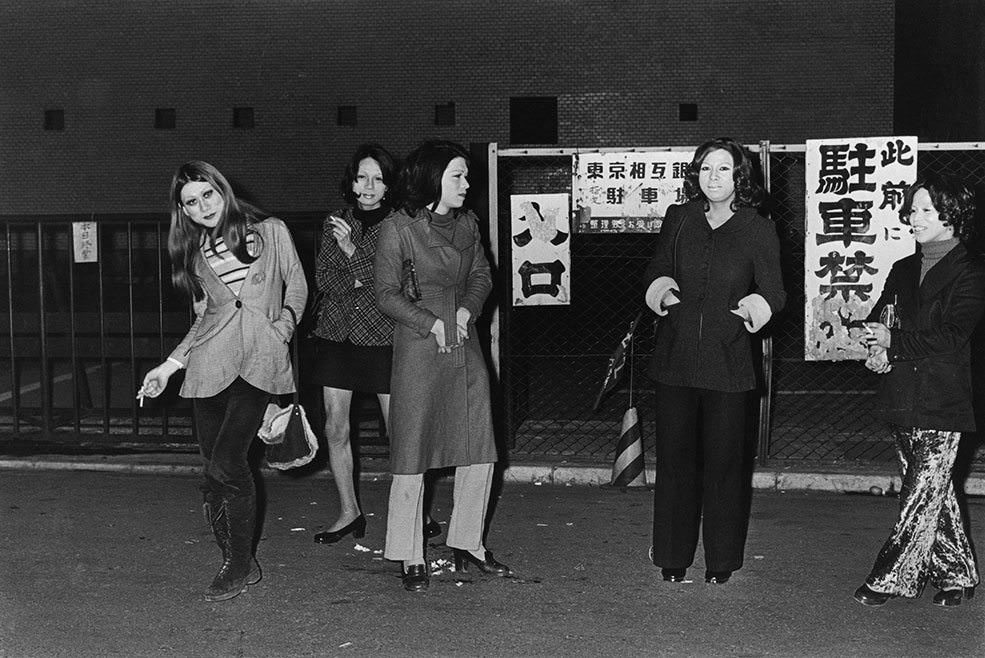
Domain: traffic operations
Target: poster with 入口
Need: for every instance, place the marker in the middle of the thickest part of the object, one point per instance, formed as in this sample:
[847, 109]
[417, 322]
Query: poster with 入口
[627, 191]
[541, 235]
[853, 235]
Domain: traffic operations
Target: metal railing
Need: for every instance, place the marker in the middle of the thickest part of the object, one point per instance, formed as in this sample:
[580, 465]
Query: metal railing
[76, 338]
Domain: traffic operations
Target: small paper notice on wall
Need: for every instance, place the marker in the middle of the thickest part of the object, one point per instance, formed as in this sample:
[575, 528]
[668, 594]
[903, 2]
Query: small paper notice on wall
[86, 246]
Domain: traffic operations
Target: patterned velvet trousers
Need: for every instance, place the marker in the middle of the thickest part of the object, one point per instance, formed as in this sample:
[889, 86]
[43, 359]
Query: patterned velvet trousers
[928, 542]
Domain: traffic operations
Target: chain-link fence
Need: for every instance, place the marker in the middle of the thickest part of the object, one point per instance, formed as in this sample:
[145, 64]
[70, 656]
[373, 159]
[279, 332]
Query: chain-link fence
[76, 337]
[554, 357]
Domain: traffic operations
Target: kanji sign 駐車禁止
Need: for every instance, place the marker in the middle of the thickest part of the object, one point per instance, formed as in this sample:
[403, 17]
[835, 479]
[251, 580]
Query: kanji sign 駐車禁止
[853, 235]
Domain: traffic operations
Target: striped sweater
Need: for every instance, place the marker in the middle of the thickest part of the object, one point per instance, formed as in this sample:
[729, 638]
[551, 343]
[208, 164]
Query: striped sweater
[227, 267]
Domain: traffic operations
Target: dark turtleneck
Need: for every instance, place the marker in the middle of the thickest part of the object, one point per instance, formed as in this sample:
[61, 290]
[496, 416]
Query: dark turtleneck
[370, 217]
[932, 252]
[443, 224]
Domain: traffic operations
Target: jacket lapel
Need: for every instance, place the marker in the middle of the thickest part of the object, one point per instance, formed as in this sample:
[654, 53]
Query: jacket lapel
[941, 274]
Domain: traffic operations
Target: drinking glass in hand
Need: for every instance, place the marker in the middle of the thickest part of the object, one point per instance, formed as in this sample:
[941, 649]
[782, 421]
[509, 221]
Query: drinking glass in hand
[889, 317]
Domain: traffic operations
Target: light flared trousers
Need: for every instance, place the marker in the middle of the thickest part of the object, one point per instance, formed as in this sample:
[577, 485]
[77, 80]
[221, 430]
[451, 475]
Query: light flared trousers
[928, 542]
[405, 517]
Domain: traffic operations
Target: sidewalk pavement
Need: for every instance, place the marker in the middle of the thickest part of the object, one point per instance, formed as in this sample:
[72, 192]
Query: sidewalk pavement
[835, 478]
[115, 564]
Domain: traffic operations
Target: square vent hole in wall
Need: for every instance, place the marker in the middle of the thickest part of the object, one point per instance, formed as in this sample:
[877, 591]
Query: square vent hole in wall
[533, 120]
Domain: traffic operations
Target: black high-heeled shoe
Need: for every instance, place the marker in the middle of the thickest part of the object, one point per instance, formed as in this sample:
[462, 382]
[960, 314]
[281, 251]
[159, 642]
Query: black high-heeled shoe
[717, 577]
[868, 596]
[952, 597]
[415, 577]
[489, 565]
[431, 529]
[673, 575]
[357, 528]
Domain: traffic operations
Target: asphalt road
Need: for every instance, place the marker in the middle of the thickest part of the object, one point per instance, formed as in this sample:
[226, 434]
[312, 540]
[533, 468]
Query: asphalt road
[105, 564]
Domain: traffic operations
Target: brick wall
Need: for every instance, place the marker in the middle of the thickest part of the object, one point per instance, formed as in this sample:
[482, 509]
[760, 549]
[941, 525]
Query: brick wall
[783, 70]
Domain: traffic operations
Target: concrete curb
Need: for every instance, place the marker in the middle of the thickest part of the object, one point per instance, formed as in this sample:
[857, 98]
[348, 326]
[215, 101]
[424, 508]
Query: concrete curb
[877, 483]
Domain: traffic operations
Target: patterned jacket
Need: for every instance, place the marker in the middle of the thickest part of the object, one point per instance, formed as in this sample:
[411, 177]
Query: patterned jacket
[347, 309]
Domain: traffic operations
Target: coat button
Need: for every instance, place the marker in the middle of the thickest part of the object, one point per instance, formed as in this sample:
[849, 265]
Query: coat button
[239, 304]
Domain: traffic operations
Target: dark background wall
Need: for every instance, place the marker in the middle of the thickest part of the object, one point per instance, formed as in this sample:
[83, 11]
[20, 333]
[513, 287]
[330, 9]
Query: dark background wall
[783, 70]
[940, 69]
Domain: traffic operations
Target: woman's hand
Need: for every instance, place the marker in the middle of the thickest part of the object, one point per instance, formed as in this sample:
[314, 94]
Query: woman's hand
[156, 380]
[462, 317]
[878, 360]
[343, 235]
[877, 334]
[438, 329]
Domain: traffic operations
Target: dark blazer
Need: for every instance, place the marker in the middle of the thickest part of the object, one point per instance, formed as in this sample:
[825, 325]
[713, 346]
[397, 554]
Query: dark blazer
[930, 384]
[700, 343]
[347, 311]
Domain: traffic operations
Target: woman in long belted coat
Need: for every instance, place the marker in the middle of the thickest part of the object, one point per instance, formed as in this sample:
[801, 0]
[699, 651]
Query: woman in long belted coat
[432, 277]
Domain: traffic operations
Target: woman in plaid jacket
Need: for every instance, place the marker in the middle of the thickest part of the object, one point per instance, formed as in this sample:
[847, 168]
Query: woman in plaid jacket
[354, 340]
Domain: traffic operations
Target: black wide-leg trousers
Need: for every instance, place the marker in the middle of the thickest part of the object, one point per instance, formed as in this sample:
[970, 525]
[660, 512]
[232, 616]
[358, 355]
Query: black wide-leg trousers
[700, 478]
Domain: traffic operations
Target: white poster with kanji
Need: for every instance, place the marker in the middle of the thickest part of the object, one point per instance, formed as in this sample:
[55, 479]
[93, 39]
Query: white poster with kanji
[628, 191]
[853, 235]
[541, 236]
[85, 243]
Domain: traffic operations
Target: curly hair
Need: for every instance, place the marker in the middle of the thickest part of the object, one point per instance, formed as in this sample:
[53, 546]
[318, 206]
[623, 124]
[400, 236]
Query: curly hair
[952, 199]
[185, 236]
[748, 192]
[388, 167]
[420, 178]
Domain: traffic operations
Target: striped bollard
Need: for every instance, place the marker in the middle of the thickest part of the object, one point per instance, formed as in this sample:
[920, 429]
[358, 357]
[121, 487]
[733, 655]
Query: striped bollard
[629, 468]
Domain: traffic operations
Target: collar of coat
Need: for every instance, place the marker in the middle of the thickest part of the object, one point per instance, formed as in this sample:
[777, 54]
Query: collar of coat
[462, 240]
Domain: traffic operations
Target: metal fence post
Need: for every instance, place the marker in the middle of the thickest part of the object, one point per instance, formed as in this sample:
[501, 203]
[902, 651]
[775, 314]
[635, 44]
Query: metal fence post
[766, 398]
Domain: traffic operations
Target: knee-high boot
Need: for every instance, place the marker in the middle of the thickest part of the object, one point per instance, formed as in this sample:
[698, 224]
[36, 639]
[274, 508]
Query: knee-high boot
[210, 510]
[232, 519]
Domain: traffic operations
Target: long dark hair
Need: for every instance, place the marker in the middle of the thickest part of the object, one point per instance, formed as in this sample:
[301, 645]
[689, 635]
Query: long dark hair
[388, 168]
[185, 236]
[952, 199]
[420, 178]
[748, 192]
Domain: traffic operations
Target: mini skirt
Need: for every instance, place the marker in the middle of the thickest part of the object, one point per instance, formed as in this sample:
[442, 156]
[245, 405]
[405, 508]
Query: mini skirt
[364, 368]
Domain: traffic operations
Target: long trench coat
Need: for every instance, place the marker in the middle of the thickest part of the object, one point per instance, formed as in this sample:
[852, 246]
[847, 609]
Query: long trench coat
[440, 412]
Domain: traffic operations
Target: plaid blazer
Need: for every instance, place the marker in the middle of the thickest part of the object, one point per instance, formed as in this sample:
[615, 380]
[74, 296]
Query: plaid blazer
[347, 308]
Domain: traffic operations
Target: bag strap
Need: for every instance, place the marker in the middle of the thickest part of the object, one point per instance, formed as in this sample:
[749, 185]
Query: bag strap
[295, 359]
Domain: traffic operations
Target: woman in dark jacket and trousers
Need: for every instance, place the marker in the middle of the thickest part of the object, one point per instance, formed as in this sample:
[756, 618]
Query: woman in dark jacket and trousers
[714, 280]
[440, 413]
[926, 393]
[240, 269]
